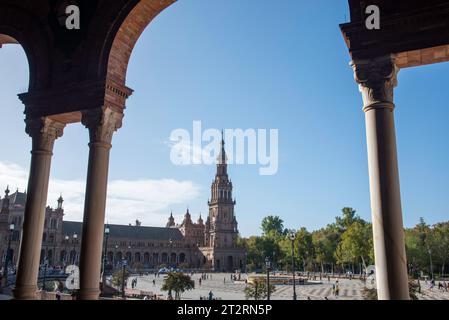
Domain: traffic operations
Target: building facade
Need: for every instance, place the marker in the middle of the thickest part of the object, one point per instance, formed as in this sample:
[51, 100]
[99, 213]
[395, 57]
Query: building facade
[210, 245]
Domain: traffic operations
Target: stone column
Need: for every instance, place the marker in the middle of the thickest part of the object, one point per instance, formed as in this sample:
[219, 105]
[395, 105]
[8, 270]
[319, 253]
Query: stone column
[43, 132]
[377, 79]
[102, 123]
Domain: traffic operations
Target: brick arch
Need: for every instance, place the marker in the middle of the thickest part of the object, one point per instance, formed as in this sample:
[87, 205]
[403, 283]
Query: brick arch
[128, 34]
[19, 26]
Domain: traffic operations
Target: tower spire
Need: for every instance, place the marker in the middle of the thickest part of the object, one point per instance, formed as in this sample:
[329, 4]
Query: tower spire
[60, 201]
[222, 159]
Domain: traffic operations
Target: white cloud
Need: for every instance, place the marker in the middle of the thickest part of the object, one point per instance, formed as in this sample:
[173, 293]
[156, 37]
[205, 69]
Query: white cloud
[146, 200]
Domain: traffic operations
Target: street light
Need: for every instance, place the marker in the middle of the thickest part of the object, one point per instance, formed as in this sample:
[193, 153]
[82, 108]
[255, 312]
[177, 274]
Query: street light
[292, 237]
[169, 255]
[106, 234]
[45, 274]
[8, 254]
[75, 237]
[268, 266]
[123, 278]
[66, 238]
[115, 256]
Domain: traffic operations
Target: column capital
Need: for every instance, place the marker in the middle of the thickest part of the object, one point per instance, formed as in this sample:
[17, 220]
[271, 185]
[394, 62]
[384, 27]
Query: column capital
[44, 132]
[377, 79]
[102, 123]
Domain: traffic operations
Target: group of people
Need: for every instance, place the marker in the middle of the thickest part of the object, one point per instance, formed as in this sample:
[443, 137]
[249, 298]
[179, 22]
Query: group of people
[236, 277]
[204, 276]
[442, 286]
[209, 297]
[336, 289]
[134, 283]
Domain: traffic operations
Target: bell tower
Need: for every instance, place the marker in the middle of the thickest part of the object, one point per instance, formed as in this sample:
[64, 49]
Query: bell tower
[221, 225]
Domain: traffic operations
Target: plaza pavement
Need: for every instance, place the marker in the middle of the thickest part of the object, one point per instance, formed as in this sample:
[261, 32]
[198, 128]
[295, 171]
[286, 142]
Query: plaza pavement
[225, 289]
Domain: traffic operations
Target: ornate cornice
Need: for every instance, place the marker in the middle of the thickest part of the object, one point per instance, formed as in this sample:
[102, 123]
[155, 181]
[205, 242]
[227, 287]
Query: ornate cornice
[377, 79]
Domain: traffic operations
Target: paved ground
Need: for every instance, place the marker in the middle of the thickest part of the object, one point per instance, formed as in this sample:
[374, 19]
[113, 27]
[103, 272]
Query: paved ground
[223, 288]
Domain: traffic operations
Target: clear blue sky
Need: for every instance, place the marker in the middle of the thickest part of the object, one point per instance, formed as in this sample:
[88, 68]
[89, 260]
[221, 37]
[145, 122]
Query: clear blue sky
[247, 64]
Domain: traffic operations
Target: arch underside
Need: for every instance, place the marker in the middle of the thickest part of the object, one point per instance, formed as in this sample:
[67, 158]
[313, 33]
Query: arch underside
[128, 35]
[18, 26]
[5, 39]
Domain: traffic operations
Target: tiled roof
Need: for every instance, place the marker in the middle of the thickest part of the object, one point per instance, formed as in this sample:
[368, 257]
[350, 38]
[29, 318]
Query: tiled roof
[129, 232]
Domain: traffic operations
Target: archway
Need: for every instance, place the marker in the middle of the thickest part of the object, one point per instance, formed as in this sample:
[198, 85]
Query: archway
[118, 258]
[50, 257]
[173, 258]
[182, 257]
[230, 264]
[155, 259]
[164, 257]
[110, 257]
[63, 256]
[146, 258]
[73, 257]
[129, 257]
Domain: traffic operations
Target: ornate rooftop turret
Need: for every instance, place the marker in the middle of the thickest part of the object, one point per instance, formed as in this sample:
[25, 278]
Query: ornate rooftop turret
[200, 220]
[60, 202]
[171, 221]
[187, 218]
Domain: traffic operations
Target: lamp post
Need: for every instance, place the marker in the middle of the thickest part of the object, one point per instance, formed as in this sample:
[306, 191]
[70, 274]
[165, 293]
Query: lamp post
[292, 237]
[169, 255]
[246, 262]
[44, 285]
[106, 235]
[123, 277]
[66, 238]
[115, 256]
[54, 258]
[8, 254]
[75, 237]
[268, 266]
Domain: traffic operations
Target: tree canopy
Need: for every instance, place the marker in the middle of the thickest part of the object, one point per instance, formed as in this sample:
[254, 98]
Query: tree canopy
[346, 244]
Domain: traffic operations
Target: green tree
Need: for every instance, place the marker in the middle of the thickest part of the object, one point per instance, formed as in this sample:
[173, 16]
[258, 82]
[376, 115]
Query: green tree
[117, 278]
[305, 247]
[258, 290]
[356, 244]
[441, 244]
[273, 226]
[325, 243]
[178, 283]
[349, 217]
